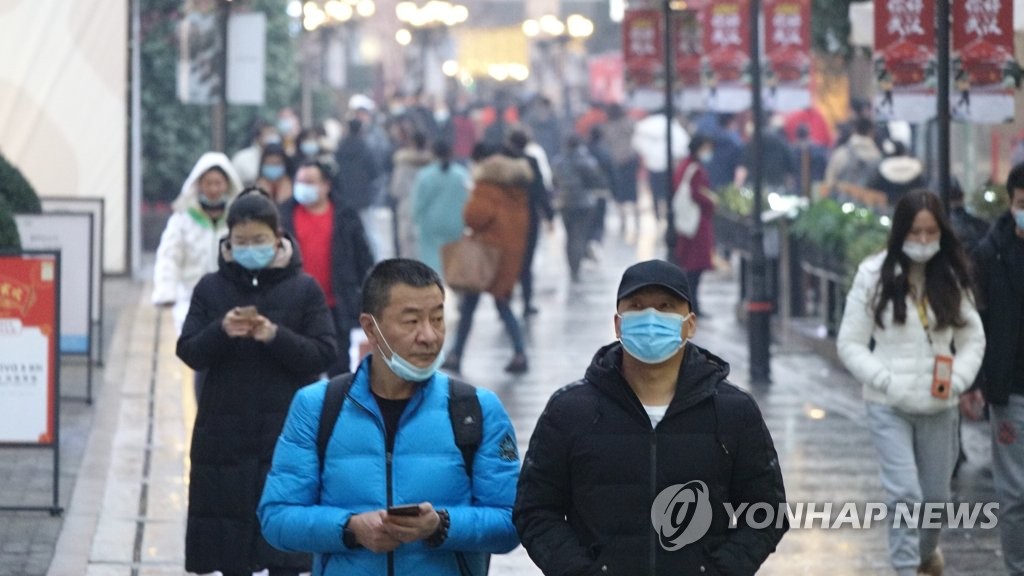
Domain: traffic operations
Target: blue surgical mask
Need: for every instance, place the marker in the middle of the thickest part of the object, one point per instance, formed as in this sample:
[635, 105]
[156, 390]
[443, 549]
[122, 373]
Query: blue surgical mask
[305, 194]
[309, 147]
[272, 172]
[1018, 216]
[402, 367]
[650, 336]
[256, 257]
[705, 156]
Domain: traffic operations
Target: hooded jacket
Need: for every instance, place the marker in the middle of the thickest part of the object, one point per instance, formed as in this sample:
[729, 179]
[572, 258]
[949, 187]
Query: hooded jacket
[245, 397]
[595, 466]
[854, 162]
[1000, 279]
[898, 370]
[897, 175]
[498, 212]
[305, 509]
[189, 244]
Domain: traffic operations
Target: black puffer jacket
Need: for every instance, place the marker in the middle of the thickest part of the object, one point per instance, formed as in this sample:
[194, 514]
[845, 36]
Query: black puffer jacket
[245, 397]
[1000, 279]
[595, 466]
[351, 256]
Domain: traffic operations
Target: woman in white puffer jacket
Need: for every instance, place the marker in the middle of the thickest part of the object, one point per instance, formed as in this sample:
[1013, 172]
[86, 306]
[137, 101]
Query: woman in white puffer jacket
[911, 310]
[190, 244]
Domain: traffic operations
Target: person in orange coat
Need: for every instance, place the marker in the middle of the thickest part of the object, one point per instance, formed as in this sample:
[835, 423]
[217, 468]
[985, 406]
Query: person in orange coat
[498, 214]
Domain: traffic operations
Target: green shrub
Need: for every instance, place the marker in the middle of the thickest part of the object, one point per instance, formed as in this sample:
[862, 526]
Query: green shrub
[20, 195]
[988, 202]
[16, 197]
[9, 238]
[843, 230]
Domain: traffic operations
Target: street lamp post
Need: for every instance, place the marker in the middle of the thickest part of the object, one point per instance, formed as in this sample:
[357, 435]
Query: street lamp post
[428, 26]
[319, 16]
[548, 30]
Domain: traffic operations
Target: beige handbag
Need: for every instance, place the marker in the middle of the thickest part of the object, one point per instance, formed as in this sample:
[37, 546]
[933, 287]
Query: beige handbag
[470, 265]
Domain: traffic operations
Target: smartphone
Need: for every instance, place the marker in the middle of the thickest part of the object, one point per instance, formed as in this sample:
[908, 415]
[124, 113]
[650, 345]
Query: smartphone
[404, 510]
[247, 311]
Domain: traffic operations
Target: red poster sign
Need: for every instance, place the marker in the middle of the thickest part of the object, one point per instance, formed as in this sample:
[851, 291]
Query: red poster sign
[28, 348]
[905, 59]
[642, 46]
[984, 68]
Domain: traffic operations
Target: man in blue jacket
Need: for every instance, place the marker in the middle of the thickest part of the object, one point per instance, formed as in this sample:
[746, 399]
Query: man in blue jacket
[393, 446]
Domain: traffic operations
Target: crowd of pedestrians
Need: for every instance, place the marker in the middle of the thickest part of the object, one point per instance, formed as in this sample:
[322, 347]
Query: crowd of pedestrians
[273, 286]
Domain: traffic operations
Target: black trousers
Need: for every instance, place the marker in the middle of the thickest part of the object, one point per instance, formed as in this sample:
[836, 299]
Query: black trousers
[526, 274]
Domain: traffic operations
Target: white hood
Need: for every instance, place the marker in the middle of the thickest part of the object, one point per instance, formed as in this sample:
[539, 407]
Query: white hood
[189, 195]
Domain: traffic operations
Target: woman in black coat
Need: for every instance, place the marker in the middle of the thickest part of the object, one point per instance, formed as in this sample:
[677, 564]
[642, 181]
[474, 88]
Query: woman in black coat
[260, 328]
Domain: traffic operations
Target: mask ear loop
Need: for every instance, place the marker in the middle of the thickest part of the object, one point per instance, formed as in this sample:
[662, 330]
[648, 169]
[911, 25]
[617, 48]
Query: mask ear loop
[382, 338]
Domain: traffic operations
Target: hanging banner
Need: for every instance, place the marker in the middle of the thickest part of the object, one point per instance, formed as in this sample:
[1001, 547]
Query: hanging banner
[787, 47]
[984, 70]
[641, 47]
[28, 348]
[726, 58]
[905, 60]
[687, 39]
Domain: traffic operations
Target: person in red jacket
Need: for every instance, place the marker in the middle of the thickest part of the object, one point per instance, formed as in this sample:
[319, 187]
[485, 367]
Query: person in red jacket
[695, 254]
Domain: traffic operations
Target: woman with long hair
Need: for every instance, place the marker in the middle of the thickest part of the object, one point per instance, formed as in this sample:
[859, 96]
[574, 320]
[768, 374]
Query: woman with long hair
[911, 335]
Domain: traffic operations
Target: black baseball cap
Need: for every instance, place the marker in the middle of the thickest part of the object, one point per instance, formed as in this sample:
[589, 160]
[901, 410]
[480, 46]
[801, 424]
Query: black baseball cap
[654, 273]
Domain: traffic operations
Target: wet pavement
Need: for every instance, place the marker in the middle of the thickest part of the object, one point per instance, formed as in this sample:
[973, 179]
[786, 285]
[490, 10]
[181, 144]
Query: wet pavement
[125, 458]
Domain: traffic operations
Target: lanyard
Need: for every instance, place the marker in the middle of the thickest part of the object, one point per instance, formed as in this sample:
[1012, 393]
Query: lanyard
[922, 313]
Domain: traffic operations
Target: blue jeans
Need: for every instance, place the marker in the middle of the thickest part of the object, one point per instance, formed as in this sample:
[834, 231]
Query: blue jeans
[467, 307]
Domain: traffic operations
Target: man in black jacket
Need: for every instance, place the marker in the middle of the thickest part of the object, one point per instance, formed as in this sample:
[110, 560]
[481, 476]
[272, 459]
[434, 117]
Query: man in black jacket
[629, 470]
[999, 261]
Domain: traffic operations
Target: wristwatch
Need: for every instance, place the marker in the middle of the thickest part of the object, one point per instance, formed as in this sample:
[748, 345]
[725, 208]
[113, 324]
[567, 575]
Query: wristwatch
[441, 534]
[348, 538]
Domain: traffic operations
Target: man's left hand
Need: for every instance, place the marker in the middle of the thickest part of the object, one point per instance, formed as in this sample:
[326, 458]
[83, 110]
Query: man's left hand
[413, 528]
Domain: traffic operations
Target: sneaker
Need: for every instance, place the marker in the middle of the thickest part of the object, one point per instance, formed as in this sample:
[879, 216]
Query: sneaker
[518, 365]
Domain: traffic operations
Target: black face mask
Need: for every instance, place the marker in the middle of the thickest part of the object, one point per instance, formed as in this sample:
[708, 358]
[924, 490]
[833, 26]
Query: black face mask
[207, 205]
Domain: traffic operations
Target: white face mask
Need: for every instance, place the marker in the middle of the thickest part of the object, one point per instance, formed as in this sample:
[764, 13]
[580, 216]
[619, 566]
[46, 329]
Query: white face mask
[920, 253]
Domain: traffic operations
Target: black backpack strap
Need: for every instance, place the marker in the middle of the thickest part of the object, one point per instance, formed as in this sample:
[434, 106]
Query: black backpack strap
[334, 397]
[467, 420]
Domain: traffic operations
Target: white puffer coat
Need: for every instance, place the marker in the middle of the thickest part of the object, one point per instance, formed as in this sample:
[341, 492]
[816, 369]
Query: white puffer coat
[189, 245]
[899, 371]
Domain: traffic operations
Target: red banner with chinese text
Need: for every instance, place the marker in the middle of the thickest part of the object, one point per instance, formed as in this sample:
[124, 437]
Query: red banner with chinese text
[984, 70]
[642, 47]
[726, 58]
[905, 60]
[787, 47]
[28, 348]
